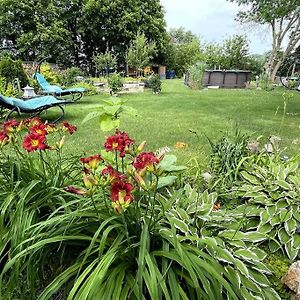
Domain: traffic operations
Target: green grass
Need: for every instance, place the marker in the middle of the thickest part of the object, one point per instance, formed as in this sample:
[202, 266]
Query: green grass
[166, 119]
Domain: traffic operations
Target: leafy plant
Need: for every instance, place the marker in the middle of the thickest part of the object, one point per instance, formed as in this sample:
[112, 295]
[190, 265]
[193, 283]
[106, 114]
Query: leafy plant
[105, 61]
[69, 75]
[11, 70]
[32, 171]
[140, 53]
[109, 113]
[49, 73]
[154, 83]
[196, 74]
[272, 186]
[225, 159]
[115, 83]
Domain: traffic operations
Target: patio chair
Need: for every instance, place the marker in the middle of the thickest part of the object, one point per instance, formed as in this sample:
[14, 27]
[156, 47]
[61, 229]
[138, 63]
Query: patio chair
[33, 106]
[55, 90]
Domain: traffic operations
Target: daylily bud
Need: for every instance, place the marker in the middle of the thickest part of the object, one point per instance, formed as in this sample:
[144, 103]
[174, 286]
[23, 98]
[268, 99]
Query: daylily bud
[61, 142]
[139, 179]
[74, 190]
[140, 148]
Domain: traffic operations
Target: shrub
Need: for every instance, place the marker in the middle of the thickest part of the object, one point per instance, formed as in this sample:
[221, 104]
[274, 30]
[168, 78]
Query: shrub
[90, 88]
[154, 83]
[50, 75]
[69, 75]
[10, 70]
[196, 73]
[115, 82]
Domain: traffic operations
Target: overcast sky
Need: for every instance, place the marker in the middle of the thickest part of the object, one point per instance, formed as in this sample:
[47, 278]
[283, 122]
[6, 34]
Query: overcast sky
[212, 21]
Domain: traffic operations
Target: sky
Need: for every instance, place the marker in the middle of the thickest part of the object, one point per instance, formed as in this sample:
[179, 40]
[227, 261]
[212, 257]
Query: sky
[213, 21]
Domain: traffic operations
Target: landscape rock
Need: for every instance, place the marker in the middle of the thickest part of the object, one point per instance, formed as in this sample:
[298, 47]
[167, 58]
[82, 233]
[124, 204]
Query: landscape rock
[292, 279]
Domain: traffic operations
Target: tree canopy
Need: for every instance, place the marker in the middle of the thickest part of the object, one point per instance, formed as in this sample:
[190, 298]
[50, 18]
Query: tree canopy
[73, 32]
[283, 17]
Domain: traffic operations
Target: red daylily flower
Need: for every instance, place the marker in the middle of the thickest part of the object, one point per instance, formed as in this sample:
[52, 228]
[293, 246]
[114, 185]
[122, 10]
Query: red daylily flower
[145, 160]
[10, 126]
[113, 174]
[3, 138]
[33, 142]
[39, 129]
[68, 127]
[121, 191]
[92, 161]
[118, 142]
[32, 122]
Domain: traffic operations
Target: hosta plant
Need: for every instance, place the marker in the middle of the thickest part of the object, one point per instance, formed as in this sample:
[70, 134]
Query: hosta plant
[266, 209]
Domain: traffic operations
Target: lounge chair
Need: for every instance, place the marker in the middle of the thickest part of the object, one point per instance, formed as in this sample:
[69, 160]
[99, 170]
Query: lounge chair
[32, 106]
[55, 90]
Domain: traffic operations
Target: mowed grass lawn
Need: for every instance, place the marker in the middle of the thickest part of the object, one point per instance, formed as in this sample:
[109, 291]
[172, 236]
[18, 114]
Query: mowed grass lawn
[165, 119]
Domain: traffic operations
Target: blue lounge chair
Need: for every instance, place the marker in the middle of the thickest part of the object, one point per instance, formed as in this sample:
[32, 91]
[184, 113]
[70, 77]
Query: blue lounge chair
[55, 90]
[32, 106]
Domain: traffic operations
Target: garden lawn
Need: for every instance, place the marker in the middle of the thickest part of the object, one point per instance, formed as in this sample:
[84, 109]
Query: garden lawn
[166, 119]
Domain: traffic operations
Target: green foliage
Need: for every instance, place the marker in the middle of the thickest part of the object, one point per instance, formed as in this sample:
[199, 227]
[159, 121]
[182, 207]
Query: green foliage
[264, 82]
[183, 50]
[236, 53]
[11, 69]
[225, 159]
[271, 187]
[30, 188]
[279, 265]
[72, 31]
[115, 82]
[140, 53]
[109, 113]
[154, 83]
[51, 75]
[196, 74]
[69, 75]
[233, 53]
[154, 247]
[105, 61]
[89, 87]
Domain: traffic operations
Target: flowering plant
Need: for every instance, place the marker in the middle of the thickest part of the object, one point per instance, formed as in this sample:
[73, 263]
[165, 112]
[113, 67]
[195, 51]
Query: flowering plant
[35, 146]
[126, 175]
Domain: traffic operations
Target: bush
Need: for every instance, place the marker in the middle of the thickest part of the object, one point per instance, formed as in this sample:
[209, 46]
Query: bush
[51, 76]
[154, 83]
[69, 75]
[10, 70]
[90, 88]
[115, 82]
[196, 73]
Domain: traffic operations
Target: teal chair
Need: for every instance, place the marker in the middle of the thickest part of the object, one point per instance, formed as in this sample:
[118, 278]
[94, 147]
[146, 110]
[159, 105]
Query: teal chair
[33, 106]
[55, 90]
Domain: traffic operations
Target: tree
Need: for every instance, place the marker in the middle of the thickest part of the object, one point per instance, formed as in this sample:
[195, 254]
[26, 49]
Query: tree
[105, 61]
[72, 32]
[235, 53]
[183, 50]
[283, 17]
[140, 53]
